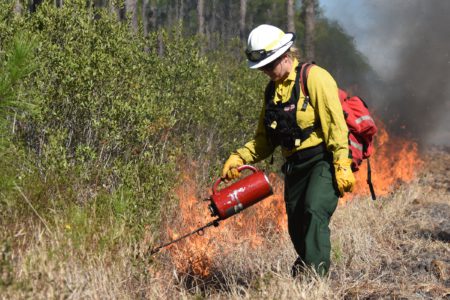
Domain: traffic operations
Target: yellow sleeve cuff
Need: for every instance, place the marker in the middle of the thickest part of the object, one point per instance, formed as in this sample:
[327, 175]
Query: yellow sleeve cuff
[245, 155]
[341, 154]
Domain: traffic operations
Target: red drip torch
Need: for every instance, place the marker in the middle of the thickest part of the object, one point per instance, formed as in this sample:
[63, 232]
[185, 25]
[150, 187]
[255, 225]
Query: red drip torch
[232, 199]
[239, 195]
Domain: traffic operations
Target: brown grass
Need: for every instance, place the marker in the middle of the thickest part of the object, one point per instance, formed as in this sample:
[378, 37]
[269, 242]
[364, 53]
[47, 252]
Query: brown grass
[395, 248]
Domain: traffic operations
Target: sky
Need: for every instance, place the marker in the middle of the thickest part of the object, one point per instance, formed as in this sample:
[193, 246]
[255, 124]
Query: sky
[407, 42]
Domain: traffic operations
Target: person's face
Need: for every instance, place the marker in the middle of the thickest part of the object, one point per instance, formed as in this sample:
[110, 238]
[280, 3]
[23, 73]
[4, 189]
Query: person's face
[276, 70]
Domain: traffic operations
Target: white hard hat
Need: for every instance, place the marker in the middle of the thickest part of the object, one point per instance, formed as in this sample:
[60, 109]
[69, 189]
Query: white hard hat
[265, 44]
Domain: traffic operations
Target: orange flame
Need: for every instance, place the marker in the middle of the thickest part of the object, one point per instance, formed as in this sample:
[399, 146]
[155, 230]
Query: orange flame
[394, 161]
[196, 254]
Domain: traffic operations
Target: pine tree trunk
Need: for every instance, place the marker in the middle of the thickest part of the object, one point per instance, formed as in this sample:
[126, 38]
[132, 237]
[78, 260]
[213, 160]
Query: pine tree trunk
[122, 12]
[34, 4]
[154, 25]
[243, 12]
[145, 16]
[171, 11]
[131, 9]
[308, 6]
[181, 11]
[153, 16]
[222, 20]
[201, 16]
[201, 22]
[18, 8]
[213, 25]
[98, 3]
[291, 15]
[213, 22]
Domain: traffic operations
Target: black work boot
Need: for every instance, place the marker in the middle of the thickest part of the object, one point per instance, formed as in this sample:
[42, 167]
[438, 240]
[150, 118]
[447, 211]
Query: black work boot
[298, 267]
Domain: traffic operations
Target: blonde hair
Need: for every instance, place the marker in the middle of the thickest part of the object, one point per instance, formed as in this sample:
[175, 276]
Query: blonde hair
[293, 52]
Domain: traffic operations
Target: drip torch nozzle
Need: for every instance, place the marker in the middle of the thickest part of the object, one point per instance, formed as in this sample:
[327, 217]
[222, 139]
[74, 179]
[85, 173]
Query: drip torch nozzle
[155, 250]
[214, 223]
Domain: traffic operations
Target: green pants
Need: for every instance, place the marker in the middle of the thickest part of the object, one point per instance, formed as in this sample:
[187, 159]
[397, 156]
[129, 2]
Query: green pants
[311, 199]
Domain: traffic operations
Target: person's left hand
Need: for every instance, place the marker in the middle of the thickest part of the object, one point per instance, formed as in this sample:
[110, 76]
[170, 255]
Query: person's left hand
[344, 176]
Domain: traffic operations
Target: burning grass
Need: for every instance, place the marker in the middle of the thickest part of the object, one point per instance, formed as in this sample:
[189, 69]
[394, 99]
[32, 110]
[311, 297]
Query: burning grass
[198, 254]
[381, 249]
[392, 165]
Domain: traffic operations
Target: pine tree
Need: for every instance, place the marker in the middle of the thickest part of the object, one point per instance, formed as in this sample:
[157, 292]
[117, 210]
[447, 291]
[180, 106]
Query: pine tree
[17, 64]
[309, 8]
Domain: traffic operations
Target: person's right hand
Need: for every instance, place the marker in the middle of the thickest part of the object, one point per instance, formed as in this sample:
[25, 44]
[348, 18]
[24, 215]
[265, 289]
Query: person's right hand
[230, 170]
[344, 176]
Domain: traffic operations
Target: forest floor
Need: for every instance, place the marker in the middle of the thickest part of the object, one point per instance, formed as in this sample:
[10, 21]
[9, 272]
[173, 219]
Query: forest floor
[397, 247]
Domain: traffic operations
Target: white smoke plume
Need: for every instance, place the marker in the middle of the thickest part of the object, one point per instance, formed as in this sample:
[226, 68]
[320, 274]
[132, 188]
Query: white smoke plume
[407, 43]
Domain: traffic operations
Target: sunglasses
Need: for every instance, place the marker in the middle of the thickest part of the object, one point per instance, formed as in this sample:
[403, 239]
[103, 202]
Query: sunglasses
[258, 55]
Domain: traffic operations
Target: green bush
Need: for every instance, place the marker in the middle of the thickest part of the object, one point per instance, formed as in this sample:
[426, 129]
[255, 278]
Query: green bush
[120, 119]
[16, 62]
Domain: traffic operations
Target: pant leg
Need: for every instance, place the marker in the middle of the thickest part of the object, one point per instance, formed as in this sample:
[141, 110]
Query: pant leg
[295, 184]
[321, 199]
[311, 199]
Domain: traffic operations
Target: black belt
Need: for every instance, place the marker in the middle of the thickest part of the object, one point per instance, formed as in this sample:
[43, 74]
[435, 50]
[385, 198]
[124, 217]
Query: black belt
[303, 155]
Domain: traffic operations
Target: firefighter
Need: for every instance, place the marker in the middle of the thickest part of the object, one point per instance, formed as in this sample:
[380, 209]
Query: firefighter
[313, 137]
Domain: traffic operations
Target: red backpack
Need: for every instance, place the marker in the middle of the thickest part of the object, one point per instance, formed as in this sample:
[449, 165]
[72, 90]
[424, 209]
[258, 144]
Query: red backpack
[361, 126]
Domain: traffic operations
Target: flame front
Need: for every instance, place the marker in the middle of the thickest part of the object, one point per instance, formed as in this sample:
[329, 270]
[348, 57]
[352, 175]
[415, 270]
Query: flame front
[196, 254]
[394, 161]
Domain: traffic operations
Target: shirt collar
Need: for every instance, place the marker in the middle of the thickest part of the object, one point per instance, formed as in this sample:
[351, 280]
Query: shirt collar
[292, 74]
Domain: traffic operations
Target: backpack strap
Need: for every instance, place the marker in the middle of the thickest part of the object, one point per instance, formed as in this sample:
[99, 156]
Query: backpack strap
[369, 180]
[268, 96]
[269, 91]
[303, 84]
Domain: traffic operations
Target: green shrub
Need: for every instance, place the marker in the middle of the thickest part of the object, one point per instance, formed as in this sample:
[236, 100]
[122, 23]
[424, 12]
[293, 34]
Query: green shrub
[118, 120]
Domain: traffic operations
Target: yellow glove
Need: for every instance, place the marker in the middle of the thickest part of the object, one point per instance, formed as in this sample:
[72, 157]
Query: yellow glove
[344, 176]
[229, 170]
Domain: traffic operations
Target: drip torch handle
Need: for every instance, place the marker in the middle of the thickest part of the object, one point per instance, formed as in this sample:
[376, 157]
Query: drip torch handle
[241, 168]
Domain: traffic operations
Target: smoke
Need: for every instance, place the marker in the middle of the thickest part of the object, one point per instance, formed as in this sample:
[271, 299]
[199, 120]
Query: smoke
[408, 45]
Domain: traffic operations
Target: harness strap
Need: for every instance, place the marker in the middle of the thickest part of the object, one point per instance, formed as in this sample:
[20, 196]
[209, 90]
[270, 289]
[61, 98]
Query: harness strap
[301, 73]
[303, 81]
[369, 180]
[296, 83]
[305, 154]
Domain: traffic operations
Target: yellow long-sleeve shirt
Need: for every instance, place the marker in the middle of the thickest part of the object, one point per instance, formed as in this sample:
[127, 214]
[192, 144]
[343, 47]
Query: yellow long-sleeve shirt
[325, 106]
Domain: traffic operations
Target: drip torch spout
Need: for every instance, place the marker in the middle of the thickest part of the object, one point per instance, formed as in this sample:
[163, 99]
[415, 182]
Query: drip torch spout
[199, 231]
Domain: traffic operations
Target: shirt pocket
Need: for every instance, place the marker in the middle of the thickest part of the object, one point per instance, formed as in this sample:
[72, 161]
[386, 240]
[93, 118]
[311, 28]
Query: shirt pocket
[305, 118]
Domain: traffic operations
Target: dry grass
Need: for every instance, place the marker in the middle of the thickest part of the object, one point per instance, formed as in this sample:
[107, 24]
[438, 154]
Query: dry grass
[396, 247]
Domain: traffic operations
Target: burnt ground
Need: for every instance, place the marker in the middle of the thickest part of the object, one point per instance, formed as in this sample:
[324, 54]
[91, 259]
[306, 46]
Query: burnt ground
[435, 204]
[427, 218]
[433, 211]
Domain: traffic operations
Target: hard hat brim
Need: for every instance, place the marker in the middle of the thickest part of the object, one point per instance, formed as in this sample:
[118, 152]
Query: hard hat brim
[287, 41]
